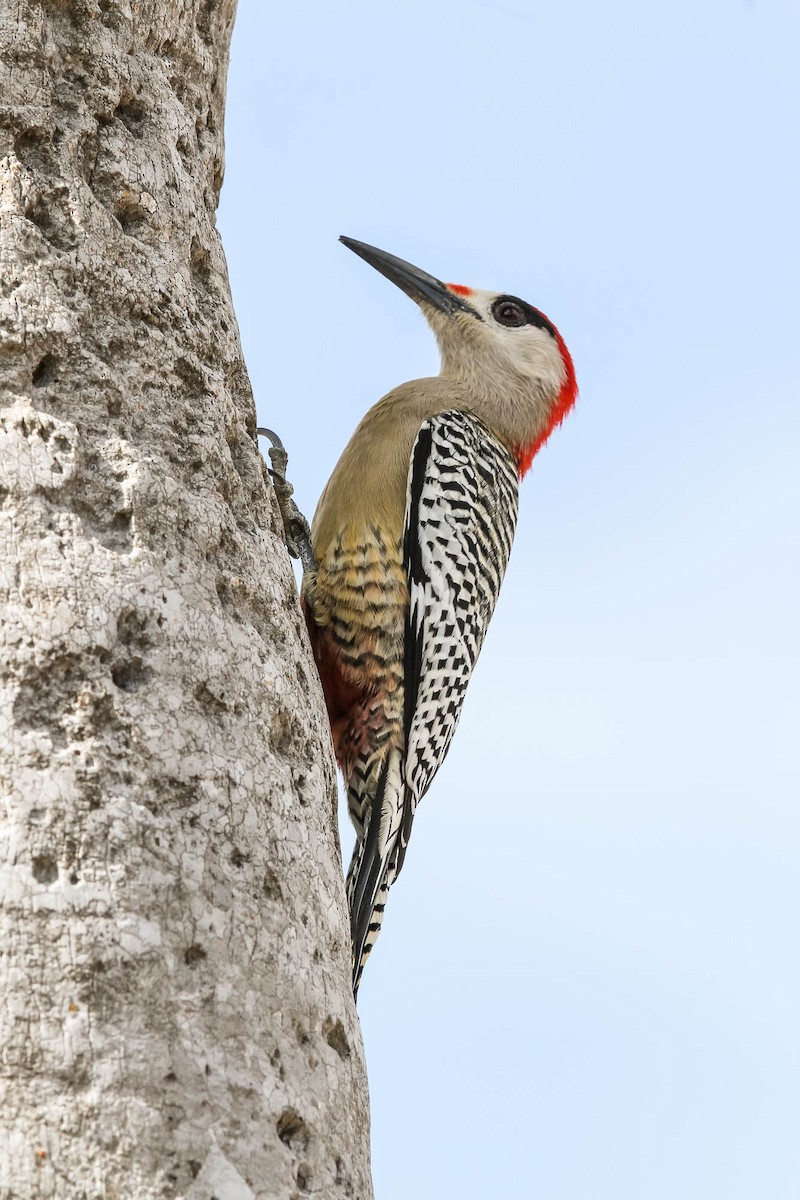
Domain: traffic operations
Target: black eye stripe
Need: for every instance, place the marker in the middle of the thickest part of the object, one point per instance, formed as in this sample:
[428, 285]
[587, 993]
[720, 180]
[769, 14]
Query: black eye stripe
[532, 315]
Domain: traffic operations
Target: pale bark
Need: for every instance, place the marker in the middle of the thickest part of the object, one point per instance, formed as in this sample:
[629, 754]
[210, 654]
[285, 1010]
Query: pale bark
[175, 1008]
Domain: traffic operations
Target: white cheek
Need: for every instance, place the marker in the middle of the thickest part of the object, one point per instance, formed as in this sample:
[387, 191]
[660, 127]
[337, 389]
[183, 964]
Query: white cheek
[545, 361]
[490, 356]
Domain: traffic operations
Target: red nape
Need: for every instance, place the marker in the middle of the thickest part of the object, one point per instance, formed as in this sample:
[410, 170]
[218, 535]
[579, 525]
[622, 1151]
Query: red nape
[459, 289]
[566, 399]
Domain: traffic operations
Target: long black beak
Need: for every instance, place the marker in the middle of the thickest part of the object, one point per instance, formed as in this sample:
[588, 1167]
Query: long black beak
[415, 283]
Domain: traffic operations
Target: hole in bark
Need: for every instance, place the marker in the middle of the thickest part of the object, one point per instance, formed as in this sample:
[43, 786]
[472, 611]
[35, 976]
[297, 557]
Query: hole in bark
[132, 112]
[32, 148]
[335, 1036]
[121, 523]
[304, 1177]
[132, 221]
[54, 224]
[131, 214]
[129, 676]
[293, 1131]
[45, 869]
[238, 858]
[194, 954]
[46, 371]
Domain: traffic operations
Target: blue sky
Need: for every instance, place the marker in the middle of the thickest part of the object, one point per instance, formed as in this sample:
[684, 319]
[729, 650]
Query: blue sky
[588, 982]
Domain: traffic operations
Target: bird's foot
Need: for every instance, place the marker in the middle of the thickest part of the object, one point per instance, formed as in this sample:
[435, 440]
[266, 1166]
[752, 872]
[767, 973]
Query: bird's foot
[296, 531]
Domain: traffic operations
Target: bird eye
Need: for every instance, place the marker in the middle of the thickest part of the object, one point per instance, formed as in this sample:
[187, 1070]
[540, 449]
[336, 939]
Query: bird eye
[507, 312]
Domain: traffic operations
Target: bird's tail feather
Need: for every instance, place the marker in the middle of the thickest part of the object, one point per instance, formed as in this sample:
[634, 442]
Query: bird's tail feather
[371, 873]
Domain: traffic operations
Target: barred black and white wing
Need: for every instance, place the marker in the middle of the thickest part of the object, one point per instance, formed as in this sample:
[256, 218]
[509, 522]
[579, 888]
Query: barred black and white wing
[461, 513]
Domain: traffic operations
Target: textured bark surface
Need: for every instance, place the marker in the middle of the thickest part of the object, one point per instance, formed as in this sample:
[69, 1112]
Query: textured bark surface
[175, 1009]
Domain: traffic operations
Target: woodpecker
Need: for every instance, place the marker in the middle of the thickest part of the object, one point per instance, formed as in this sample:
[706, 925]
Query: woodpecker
[408, 548]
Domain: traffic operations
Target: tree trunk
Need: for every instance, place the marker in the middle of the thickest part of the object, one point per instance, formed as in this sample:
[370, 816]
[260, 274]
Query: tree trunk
[176, 1016]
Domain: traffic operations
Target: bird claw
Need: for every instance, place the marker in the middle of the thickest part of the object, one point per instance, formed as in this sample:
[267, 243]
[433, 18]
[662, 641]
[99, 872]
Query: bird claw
[296, 530]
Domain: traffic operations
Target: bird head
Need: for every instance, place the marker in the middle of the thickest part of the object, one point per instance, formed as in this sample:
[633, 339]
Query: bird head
[506, 353]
